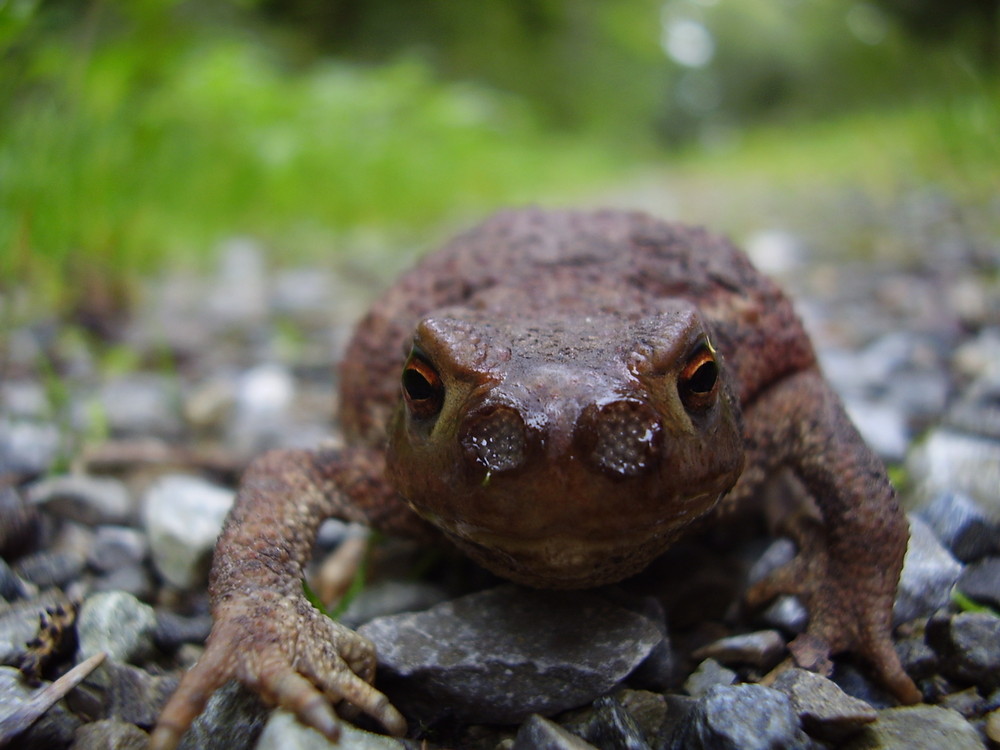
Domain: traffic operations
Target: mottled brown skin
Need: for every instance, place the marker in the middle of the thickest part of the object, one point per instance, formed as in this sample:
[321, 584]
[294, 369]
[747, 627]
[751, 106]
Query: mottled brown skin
[577, 389]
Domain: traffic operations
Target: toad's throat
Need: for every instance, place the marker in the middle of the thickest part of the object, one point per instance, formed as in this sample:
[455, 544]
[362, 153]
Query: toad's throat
[564, 561]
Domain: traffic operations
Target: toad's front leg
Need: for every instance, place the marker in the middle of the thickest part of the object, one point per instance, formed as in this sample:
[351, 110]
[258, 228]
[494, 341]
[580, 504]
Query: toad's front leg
[265, 633]
[848, 567]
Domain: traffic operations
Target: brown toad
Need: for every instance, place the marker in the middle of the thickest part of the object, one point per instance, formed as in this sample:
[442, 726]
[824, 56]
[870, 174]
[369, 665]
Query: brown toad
[561, 394]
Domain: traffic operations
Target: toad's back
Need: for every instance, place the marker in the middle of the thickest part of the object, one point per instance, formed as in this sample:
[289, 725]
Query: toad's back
[534, 266]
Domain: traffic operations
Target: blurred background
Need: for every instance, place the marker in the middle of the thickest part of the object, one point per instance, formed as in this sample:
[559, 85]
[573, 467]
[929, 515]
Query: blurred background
[138, 134]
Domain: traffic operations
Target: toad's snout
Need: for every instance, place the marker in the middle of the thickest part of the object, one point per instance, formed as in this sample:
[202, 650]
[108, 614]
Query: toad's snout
[621, 438]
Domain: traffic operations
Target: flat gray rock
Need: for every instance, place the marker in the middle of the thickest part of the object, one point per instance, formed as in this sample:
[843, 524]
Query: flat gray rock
[929, 572]
[500, 655]
[918, 728]
[826, 711]
[741, 717]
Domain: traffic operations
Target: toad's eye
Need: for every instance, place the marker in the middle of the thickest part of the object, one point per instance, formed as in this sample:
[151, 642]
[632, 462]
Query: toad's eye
[699, 379]
[422, 388]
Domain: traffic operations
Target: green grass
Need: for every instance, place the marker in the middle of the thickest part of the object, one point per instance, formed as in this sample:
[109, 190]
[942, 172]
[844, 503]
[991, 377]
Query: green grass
[113, 175]
[115, 162]
[950, 141]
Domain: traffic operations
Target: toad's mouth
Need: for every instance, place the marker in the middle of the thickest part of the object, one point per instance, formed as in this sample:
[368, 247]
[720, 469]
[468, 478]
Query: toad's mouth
[562, 561]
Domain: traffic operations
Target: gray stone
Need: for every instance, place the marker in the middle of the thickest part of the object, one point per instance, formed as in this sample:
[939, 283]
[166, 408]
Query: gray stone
[981, 581]
[24, 399]
[132, 579]
[858, 684]
[762, 649]
[233, 718]
[261, 413]
[929, 572]
[610, 726]
[47, 568]
[128, 693]
[967, 643]
[20, 524]
[284, 732]
[919, 660]
[538, 733]
[12, 586]
[979, 356]
[962, 526]
[953, 461]
[883, 426]
[53, 728]
[389, 598]
[28, 447]
[741, 717]
[500, 655]
[239, 294]
[779, 552]
[826, 711]
[775, 251]
[917, 728]
[117, 624]
[183, 516]
[108, 734]
[787, 614]
[116, 547]
[977, 412]
[708, 675]
[86, 499]
[173, 630]
[654, 713]
[141, 404]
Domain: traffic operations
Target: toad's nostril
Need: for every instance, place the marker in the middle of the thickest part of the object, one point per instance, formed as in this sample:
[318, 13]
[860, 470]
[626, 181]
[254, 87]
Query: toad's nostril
[495, 438]
[623, 438]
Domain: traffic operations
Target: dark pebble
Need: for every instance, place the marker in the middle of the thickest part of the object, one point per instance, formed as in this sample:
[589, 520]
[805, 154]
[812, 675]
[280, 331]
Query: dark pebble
[967, 644]
[538, 733]
[981, 581]
[47, 569]
[174, 630]
[742, 717]
[109, 734]
[611, 727]
[962, 526]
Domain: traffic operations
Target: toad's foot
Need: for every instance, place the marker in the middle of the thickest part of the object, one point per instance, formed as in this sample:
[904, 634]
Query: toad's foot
[292, 656]
[844, 615]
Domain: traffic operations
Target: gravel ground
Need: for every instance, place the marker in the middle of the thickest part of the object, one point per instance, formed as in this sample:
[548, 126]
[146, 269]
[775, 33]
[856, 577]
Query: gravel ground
[114, 480]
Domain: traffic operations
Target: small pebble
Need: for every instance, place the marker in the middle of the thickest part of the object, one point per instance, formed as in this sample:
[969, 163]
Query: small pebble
[538, 733]
[110, 734]
[917, 728]
[183, 516]
[762, 649]
[967, 643]
[86, 499]
[116, 547]
[741, 717]
[609, 724]
[980, 581]
[708, 675]
[826, 711]
[929, 572]
[117, 624]
[952, 461]
[284, 732]
[962, 526]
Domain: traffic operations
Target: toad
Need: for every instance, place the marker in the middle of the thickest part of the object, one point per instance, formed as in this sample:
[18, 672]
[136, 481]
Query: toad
[561, 395]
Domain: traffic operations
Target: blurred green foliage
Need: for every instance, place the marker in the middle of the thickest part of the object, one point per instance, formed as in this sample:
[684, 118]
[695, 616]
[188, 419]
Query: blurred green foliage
[128, 134]
[136, 130]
